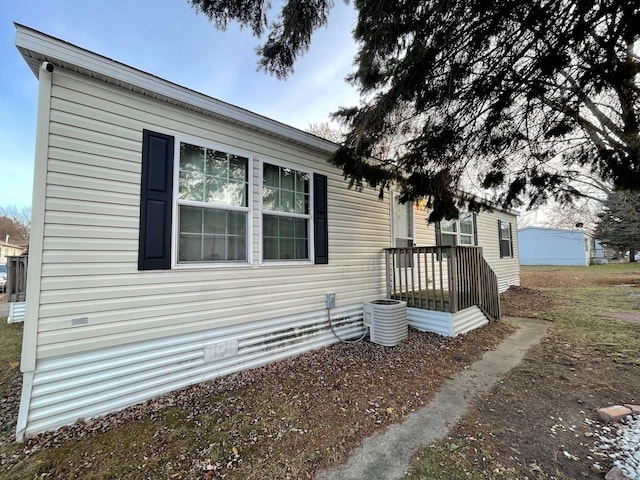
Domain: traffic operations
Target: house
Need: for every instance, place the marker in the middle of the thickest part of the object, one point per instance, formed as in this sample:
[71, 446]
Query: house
[176, 238]
[9, 250]
[557, 246]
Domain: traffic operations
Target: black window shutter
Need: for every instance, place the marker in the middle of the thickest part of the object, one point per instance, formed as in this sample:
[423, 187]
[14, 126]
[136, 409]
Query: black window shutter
[321, 230]
[510, 241]
[156, 196]
[500, 239]
[475, 229]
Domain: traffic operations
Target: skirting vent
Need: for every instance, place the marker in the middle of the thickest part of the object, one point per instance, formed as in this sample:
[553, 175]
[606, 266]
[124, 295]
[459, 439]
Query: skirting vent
[387, 321]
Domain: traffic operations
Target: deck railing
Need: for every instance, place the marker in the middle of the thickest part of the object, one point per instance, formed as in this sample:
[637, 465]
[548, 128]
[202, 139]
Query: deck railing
[446, 279]
[17, 278]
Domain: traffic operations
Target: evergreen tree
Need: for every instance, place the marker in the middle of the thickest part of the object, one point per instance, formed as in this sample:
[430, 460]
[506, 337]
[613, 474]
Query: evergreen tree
[525, 93]
[619, 222]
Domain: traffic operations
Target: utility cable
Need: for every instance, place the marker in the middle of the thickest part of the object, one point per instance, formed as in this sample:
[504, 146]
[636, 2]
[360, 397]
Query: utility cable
[366, 330]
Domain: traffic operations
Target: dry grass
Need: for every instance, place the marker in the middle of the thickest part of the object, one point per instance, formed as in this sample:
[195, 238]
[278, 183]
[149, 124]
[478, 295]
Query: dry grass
[10, 377]
[545, 277]
[589, 359]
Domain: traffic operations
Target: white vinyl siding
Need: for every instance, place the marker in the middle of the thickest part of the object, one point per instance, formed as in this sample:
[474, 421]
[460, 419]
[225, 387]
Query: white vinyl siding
[89, 267]
[506, 269]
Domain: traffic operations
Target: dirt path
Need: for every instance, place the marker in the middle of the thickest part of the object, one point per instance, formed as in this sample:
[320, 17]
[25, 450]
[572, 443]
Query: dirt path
[388, 455]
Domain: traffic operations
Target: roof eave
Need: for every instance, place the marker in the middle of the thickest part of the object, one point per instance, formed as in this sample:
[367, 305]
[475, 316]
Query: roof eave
[37, 47]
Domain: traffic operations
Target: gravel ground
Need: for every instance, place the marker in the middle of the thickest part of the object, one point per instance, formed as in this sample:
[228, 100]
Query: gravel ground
[620, 442]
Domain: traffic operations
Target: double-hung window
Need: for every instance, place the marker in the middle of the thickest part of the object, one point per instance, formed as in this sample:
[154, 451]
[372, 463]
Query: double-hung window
[286, 213]
[460, 231]
[448, 233]
[505, 238]
[213, 205]
[196, 204]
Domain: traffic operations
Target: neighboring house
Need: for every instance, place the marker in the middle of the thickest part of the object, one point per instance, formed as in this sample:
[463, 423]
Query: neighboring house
[7, 250]
[10, 250]
[176, 238]
[557, 246]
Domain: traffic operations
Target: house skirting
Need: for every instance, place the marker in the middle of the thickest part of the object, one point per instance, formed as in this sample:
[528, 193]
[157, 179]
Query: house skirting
[16, 312]
[79, 386]
[505, 281]
[445, 323]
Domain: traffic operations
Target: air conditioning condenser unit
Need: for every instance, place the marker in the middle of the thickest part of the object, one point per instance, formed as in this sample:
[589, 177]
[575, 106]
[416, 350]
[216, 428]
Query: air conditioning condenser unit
[387, 321]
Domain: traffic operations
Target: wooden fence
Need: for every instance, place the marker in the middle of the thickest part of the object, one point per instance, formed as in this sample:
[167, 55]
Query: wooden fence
[17, 278]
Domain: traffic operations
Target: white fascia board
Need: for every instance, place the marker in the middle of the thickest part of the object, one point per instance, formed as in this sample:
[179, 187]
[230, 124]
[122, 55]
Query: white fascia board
[37, 47]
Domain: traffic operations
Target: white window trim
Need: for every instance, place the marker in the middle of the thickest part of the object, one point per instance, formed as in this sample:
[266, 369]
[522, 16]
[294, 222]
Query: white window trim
[299, 168]
[175, 205]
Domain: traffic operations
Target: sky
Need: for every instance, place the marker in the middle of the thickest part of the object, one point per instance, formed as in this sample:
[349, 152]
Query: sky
[168, 39]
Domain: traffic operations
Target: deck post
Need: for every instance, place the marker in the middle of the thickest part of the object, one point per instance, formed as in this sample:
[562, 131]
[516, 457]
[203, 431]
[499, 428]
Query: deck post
[453, 279]
[479, 282]
[441, 283]
[419, 277]
[387, 261]
[397, 256]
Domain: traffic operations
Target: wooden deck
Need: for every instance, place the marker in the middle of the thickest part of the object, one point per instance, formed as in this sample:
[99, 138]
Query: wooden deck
[445, 279]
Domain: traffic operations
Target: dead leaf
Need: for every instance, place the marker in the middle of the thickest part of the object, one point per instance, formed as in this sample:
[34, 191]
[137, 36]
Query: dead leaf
[534, 467]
